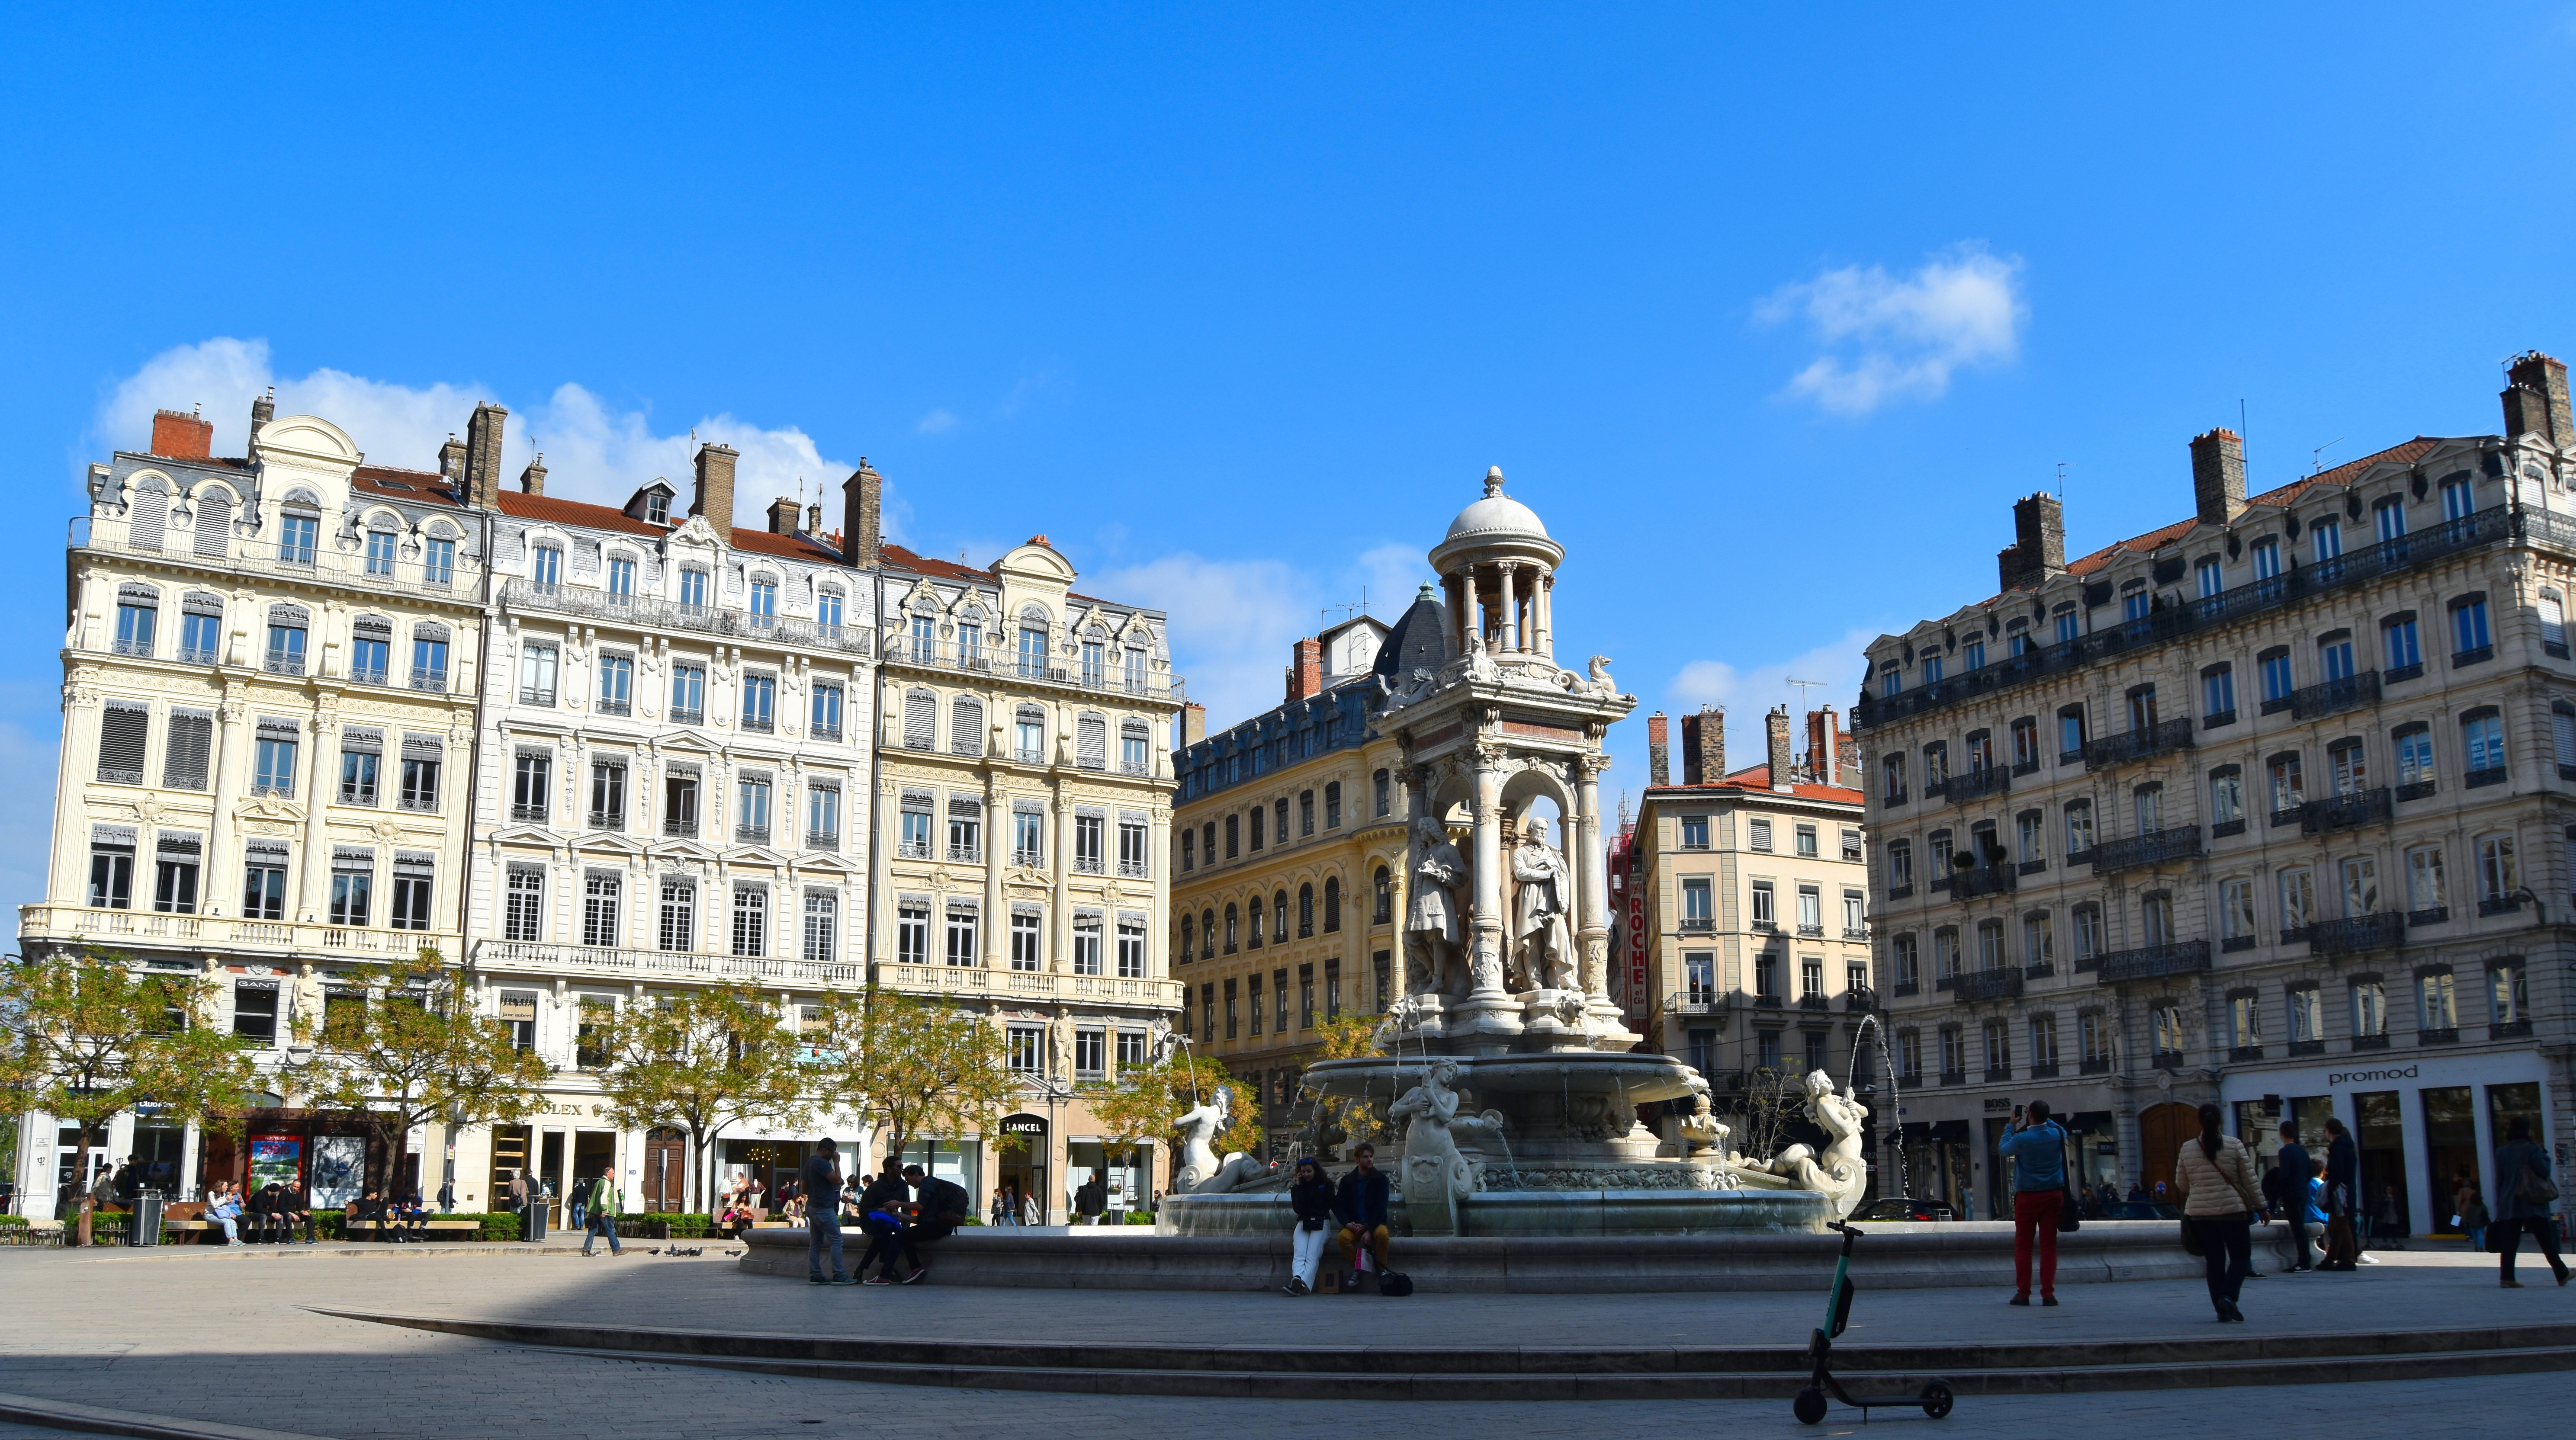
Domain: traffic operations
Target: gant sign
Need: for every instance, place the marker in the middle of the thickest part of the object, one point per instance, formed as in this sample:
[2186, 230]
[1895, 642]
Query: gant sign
[2365, 1077]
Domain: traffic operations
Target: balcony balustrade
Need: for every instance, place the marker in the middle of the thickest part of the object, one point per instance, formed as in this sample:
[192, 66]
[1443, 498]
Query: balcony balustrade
[2189, 957]
[2156, 847]
[2159, 739]
[1988, 984]
[2355, 934]
[2346, 812]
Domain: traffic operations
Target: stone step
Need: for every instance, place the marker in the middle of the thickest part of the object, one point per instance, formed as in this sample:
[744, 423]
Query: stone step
[1514, 1372]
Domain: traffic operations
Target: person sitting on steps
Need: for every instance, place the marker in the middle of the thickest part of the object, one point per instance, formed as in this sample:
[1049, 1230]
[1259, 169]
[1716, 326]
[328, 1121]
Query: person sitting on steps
[1311, 1195]
[939, 1207]
[1360, 1204]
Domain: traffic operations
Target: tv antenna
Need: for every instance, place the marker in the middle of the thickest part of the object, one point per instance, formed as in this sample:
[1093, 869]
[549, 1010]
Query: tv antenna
[2317, 457]
[1804, 687]
[1325, 615]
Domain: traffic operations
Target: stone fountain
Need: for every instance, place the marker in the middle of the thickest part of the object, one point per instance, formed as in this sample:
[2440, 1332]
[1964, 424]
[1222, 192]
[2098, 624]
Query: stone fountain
[1505, 1076]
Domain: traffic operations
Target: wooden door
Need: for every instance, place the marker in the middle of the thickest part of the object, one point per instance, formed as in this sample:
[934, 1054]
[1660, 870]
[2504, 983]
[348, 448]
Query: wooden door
[2161, 1131]
[666, 1172]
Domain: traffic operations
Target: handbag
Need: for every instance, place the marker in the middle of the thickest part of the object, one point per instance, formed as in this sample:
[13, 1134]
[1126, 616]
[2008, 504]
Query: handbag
[2190, 1237]
[2533, 1188]
[2068, 1221]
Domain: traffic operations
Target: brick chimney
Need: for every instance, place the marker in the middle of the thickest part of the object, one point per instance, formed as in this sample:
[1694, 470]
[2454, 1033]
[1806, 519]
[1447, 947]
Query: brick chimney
[1306, 668]
[1193, 723]
[2535, 399]
[2218, 475]
[715, 488]
[533, 479]
[862, 497]
[2039, 543]
[1704, 746]
[814, 518]
[1659, 750]
[483, 433]
[782, 515]
[182, 435]
[1828, 748]
[1777, 724]
[263, 408]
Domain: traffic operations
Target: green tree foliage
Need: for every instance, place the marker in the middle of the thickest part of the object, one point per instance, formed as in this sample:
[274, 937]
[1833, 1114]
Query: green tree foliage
[699, 1060]
[913, 1068]
[89, 1036]
[415, 1051]
[1141, 1106]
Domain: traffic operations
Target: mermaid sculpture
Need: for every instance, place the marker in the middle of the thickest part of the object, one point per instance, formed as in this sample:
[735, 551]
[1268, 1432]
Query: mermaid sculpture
[1837, 1173]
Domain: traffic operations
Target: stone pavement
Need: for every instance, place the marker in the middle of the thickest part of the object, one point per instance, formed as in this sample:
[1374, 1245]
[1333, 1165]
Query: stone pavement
[224, 1336]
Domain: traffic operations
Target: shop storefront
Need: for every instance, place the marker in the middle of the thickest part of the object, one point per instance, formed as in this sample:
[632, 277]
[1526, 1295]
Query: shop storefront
[2425, 1125]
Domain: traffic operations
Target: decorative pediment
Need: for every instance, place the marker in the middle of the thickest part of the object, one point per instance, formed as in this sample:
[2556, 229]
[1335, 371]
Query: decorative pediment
[268, 807]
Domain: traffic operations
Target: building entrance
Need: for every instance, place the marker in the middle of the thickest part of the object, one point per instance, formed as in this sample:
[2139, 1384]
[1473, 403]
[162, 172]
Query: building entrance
[666, 1172]
[2161, 1131]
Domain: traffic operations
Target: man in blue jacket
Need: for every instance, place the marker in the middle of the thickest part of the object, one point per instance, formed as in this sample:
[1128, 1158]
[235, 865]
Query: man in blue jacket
[1360, 1204]
[2036, 1148]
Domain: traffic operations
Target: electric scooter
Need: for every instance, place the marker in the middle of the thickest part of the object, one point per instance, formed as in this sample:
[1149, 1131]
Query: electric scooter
[1809, 1407]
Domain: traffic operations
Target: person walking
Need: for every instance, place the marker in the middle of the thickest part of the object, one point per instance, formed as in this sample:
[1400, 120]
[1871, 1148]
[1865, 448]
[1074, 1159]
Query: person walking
[602, 1204]
[2215, 1174]
[446, 1197]
[2524, 1192]
[2474, 1216]
[2343, 1179]
[2295, 1170]
[2036, 1147]
[1310, 1194]
[823, 1213]
[1001, 1205]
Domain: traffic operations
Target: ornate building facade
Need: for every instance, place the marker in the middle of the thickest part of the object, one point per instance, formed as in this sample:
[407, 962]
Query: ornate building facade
[2269, 807]
[270, 668]
[1020, 862]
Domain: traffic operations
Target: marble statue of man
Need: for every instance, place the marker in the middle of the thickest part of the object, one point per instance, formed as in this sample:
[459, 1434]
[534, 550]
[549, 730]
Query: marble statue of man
[1435, 958]
[1539, 909]
[308, 1001]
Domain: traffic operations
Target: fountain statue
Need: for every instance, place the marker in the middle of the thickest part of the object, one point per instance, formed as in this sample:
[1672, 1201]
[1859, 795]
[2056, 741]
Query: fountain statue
[1504, 1061]
[1200, 1172]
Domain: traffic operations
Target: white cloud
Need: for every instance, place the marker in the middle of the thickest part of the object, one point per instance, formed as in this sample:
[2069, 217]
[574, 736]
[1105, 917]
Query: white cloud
[937, 422]
[592, 451]
[1747, 694]
[1232, 622]
[1888, 337]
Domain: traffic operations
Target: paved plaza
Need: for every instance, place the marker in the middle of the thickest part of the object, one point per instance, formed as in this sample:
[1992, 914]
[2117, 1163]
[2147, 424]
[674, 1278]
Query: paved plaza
[228, 1337]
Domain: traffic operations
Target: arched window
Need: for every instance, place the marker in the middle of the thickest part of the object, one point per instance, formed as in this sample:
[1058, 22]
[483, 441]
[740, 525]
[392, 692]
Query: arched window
[1383, 911]
[1332, 904]
[1207, 935]
[1305, 912]
[1280, 915]
[966, 726]
[1231, 927]
[1189, 936]
[1385, 787]
[1252, 940]
[147, 516]
[920, 719]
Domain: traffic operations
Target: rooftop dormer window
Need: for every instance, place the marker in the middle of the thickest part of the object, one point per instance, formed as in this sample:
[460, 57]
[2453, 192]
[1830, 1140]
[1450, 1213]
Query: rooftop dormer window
[764, 604]
[693, 589]
[657, 508]
[621, 578]
[547, 569]
[297, 535]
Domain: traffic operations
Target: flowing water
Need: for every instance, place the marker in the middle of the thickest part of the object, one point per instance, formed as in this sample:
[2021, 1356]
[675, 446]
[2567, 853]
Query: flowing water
[1894, 1114]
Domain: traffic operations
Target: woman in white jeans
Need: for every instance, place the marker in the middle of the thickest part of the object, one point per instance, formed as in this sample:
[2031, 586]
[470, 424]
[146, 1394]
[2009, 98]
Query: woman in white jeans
[1311, 1194]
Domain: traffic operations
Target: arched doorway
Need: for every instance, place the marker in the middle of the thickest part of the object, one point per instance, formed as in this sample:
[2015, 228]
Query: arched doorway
[666, 1171]
[2161, 1131]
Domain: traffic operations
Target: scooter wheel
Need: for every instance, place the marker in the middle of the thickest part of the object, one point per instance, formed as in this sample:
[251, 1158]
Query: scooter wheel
[1936, 1399]
[1809, 1407]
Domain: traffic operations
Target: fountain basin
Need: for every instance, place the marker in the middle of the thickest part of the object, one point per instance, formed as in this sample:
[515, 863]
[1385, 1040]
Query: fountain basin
[1518, 1213]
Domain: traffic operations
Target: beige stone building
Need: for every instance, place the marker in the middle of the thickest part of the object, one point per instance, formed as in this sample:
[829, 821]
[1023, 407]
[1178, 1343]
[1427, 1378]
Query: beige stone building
[1019, 866]
[269, 672]
[1743, 917]
[2270, 807]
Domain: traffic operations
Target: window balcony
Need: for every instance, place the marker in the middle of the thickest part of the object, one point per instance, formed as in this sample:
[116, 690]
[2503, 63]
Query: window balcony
[1989, 984]
[2370, 1042]
[141, 648]
[1861, 1001]
[1981, 880]
[2156, 847]
[1978, 784]
[283, 662]
[825, 732]
[367, 674]
[681, 829]
[2040, 969]
[2478, 656]
[757, 725]
[2355, 934]
[2500, 906]
[822, 839]
[418, 804]
[2346, 812]
[966, 854]
[1029, 858]
[1997, 1074]
[1908, 989]
[2093, 1067]
[2112, 751]
[1134, 767]
[2244, 1054]
[1954, 1077]
[912, 850]
[614, 707]
[2043, 1070]
[1766, 1002]
[434, 681]
[1812, 1001]
[2333, 697]
[2150, 962]
[684, 716]
[2446, 1035]
[1697, 925]
[2509, 1030]
[536, 813]
[605, 820]
[1029, 757]
[1088, 865]
[2307, 1047]
[1856, 932]
[1811, 932]
[2218, 719]
[1894, 797]
[1134, 870]
[1697, 1002]
[195, 657]
[751, 834]
[2477, 779]
[1900, 892]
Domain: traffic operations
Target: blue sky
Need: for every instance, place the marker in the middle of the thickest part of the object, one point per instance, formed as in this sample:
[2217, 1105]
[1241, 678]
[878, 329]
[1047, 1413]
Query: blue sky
[1770, 317]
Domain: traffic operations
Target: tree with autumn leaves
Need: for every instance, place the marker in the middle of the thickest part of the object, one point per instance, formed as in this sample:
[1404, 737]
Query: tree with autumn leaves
[914, 1068]
[85, 1037]
[699, 1060]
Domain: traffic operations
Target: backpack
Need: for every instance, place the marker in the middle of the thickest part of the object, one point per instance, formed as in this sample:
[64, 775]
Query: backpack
[1394, 1282]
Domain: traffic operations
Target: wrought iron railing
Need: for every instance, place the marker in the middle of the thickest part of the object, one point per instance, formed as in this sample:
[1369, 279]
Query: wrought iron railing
[2162, 738]
[2156, 847]
[2188, 957]
[2356, 933]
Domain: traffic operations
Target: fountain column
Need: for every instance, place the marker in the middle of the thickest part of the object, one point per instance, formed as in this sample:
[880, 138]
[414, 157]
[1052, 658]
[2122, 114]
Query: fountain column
[1609, 1024]
[1509, 630]
[1489, 1016]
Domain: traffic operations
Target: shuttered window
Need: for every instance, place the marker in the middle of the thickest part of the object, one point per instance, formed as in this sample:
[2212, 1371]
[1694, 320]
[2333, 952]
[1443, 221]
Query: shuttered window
[966, 726]
[150, 515]
[183, 763]
[920, 720]
[214, 525]
[1091, 742]
[123, 732]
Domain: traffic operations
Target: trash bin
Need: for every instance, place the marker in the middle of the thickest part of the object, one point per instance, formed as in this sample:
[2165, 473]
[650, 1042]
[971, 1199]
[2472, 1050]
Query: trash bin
[532, 1221]
[146, 1220]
